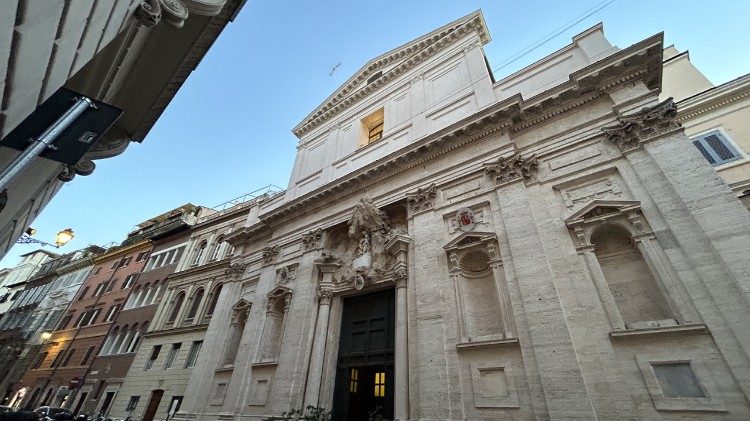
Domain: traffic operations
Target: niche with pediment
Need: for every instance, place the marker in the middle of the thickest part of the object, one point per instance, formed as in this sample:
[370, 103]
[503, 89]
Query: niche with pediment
[482, 298]
[240, 311]
[625, 262]
[277, 308]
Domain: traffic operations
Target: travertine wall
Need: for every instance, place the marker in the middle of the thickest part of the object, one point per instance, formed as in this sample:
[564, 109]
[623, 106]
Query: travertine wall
[516, 196]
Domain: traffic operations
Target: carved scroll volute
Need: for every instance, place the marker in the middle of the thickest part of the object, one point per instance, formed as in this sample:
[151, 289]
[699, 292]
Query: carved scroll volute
[150, 12]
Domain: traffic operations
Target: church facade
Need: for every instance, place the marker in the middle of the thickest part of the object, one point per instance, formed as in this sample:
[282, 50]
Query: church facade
[548, 245]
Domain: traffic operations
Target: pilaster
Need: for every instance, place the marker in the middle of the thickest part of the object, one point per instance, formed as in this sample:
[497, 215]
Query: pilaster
[560, 376]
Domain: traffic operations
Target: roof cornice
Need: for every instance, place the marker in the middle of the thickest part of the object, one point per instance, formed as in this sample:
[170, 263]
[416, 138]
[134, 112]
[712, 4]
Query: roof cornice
[417, 51]
[710, 99]
[639, 62]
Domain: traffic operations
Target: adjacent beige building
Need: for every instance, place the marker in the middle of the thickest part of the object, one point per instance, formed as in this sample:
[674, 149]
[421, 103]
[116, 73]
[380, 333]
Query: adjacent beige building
[547, 245]
[715, 118]
[155, 384]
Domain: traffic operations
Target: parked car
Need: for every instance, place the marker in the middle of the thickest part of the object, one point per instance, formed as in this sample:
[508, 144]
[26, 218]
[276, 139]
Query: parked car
[55, 413]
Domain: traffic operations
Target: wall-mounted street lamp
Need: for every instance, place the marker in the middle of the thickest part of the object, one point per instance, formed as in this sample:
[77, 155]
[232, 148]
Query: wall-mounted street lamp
[61, 238]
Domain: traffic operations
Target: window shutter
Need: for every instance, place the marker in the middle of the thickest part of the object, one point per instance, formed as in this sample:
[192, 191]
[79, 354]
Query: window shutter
[721, 147]
[703, 150]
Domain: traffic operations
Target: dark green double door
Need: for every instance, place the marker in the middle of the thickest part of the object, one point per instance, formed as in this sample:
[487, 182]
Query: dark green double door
[364, 376]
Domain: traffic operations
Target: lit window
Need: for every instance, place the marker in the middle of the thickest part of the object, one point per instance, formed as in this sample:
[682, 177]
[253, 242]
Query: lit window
[716, 148]
[379, 385]
[372, 126]
[353, 377]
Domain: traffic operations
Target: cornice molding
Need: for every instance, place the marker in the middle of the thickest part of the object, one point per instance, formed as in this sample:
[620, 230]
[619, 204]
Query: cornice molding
[419, 50]
[218, 265]
[640, 62]
[120, 251]
[711, 99]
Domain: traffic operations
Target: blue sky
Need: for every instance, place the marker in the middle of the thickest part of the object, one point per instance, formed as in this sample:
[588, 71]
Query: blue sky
[228, 130]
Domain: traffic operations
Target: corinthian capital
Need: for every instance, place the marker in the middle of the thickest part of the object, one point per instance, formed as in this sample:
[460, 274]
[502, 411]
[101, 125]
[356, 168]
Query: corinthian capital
[649, 123]
[515, 167]
[422, 199]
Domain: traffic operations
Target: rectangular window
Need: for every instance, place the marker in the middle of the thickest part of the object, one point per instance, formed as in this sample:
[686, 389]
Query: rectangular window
[353, 380]
[141, 256]
[99, 289]
[379, 385]
[132, 403]
[40, 360]
[96, 271]
[89, 353]
[195, 349]
[178, 254]
[64, 323]
[677, 380]
[372, 126]
[172, 355]
[115, 265]
[111, 313]
[57, 359]
[110, 285]
[126, 261]
[716, 148]
[83, 293]
[68, 357]
[154, 355]
[129, 281]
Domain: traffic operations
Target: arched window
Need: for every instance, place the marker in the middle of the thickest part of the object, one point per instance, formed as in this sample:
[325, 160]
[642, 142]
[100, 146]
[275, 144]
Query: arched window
[218, 248]
[176, 306]
[197, 297]
[212, 300]
[199, 253]
[628, 276]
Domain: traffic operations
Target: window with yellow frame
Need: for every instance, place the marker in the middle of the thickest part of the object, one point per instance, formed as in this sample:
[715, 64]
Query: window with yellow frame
[379, 385]
[372, 127]
[353, 379]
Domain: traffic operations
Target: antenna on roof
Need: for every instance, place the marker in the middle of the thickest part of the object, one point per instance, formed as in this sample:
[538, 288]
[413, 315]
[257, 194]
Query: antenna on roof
[334, 68]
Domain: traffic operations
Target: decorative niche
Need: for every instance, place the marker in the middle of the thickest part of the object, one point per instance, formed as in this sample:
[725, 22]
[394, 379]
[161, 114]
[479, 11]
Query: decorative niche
[240, 311]
[637, 287]
[481, 294]
[278, 306]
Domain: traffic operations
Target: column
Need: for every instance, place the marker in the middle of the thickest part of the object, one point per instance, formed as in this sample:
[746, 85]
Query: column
[317, 357]
[398, 246]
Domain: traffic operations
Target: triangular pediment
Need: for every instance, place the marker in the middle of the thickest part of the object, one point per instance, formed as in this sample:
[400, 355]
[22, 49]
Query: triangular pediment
[279, 291]
[598, 208]
[470, 238]
[241, 304]
[391, 64]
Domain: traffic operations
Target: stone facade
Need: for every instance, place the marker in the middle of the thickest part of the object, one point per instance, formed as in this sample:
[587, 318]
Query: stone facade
[549, 245]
